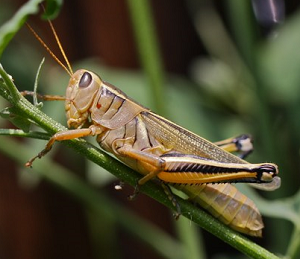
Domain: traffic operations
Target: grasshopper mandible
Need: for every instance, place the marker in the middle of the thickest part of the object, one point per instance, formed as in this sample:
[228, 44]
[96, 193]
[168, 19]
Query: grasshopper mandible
[158, 148]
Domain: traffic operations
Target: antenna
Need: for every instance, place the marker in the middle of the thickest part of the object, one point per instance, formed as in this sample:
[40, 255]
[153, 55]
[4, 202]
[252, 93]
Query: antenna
[69, 68]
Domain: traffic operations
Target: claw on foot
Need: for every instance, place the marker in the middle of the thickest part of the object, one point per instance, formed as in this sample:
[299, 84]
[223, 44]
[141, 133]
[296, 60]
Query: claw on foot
[173, 199]
[135, 193]
[29, 162]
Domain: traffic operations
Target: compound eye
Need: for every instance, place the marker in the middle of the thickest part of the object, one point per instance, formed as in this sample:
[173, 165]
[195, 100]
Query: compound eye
[85, 80]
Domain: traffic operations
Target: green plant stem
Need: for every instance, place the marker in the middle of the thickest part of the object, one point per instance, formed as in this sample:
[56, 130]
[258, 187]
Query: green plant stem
[21, 133]
[241, 18]
[247, 37]
[147, 43]
[92, 199]
[294, 245]
[203, 219]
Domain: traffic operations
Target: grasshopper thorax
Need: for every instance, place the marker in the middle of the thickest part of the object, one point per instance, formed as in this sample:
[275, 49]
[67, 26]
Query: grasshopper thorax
[81, 91]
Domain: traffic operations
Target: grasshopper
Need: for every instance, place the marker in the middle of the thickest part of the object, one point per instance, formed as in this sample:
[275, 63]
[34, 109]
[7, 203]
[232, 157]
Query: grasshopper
[158, 148]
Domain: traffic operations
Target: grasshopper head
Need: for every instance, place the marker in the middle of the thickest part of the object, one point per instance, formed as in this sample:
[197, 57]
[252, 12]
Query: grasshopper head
[80, 94]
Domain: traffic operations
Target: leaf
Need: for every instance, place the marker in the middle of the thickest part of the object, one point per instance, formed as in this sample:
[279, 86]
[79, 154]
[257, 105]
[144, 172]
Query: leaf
[5, 113]
[52, 9]
[280, 61]
[20, 122]
[11, 27]
[35, 101]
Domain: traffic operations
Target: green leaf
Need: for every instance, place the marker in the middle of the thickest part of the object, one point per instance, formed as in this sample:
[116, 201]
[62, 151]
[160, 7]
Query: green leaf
[280, 61]
[5, 113]
[52, 9]
[11, 27]
[20, 122]
[35, 101]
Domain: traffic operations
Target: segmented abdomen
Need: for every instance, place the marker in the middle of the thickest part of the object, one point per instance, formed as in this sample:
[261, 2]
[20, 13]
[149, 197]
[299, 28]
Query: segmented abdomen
[228, 205]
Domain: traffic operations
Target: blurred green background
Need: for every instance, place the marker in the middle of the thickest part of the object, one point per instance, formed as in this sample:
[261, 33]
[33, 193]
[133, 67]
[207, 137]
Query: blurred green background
[220, 73]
